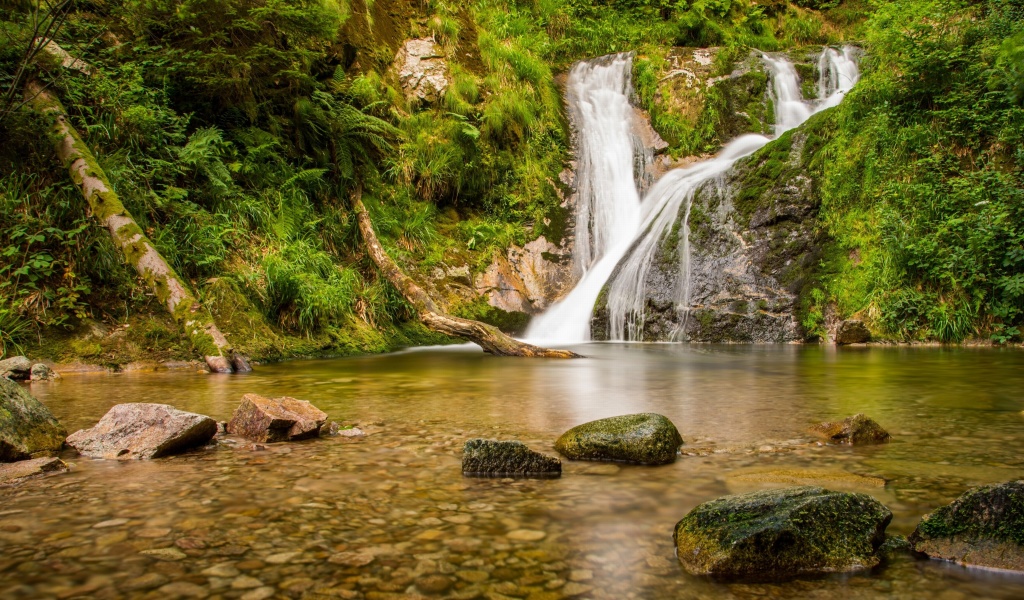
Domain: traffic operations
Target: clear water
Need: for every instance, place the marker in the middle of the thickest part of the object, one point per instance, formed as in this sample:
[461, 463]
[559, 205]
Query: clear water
[252, 524]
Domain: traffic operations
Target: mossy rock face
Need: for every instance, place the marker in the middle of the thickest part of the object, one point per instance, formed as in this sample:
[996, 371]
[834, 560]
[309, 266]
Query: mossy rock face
[984, 527]
[27, 428]
[858, 429]
[646, 438]
[779, 534]
[493, 458]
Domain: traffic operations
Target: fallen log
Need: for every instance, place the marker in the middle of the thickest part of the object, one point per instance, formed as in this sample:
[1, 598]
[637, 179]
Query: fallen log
[488, 337]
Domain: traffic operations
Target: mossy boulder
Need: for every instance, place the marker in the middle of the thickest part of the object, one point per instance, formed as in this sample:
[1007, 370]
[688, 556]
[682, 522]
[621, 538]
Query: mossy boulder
[858, 429]
[984, 527]
[645, 438]
[27, 428]
[779, 534]
[492, 458]
[852, 331]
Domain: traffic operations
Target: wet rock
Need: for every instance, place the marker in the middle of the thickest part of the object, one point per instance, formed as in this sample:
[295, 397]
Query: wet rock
[18, 368]
[777, 534]
[27, 428]
[645, 438]
[330, 429]
[351, 432]
[858, 429]
[168, 554]
[983, 527]
[12, 472]
[492, 458]
[263, 419]
[895, 545]
[852, 331]
[143, 431]
[435, 583]
[422, 69]
[41, 372]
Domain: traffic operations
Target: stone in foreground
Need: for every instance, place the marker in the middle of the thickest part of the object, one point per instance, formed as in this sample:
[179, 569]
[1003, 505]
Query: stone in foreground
[984, 527]
[646, 438]
[12, 472]
[142, 431]
[27, 428]
[263, 419]
[779, 534]
[858, 429]
[41, 372]
[17, 368]
[491, 458]
[852, 331]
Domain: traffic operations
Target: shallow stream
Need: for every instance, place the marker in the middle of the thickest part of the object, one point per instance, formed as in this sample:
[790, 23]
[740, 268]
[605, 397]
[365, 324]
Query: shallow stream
[390, 515]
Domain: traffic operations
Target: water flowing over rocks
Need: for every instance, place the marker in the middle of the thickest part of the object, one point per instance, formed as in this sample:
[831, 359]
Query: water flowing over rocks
[646, 438]
[492, 458]
[17, 368]
[27, 428]
[984, 527]
[422, 69]
[138, 431]
[852, 331]
[12, 472]
[858, 429]
[778, 534]
[283, 419]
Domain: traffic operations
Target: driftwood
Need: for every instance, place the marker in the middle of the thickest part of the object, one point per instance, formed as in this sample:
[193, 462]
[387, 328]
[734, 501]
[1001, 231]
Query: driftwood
[194, 318]
[488, 337]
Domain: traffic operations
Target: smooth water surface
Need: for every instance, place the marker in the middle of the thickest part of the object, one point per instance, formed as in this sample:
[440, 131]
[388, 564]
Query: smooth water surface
[390, 514]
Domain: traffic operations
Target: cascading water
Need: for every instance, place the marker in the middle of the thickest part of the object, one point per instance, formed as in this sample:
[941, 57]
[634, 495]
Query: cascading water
[608, 201]
[652, 219]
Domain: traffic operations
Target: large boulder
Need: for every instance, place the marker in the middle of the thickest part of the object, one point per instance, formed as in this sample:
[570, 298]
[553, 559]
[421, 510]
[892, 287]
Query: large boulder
[983, 527]
[852, 331]
[18, 368]
[422, 69]
[263, 419]
[491, 458]
[13, 472]
[858, 429]
[27, 428]
[142, 431]
[645, 438]
[777, 534]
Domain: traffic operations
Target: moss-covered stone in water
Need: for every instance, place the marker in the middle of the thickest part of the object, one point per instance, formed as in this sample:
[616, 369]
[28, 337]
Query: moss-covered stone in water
[646, 438]
[27, 428]
[492, 458]
[983, 527]
[778, 534]
[858, 429]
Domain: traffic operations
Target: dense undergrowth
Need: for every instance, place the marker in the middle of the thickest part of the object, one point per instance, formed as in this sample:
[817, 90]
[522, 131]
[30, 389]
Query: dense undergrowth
[236, 130]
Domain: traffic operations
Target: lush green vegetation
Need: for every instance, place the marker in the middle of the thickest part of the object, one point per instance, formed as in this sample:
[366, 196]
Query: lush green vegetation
[235, 131]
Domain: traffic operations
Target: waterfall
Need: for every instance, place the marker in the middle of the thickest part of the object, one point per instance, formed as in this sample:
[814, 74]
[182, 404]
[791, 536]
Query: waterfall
[639, 227]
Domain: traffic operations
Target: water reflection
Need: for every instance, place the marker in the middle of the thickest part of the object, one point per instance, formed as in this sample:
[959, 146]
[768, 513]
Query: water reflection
[391, 514]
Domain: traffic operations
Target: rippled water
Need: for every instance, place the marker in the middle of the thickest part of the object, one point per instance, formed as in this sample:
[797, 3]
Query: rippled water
[390, 514]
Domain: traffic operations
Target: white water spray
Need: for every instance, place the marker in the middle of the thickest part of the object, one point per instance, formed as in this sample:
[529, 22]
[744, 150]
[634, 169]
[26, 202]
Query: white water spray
[639, 228]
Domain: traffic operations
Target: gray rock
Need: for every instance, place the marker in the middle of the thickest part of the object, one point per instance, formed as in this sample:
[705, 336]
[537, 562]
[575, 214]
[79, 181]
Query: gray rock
[18, 368]
[852, 331]
[777, 534]
[41, 372]
[645, 438]
[858, 429]
[12, 472]
[143, 431]
[27, 428]
[492, 458]
[983, 527]
[263, 419]
[422, 69]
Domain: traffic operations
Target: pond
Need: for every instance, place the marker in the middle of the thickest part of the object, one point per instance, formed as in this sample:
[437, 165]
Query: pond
[389, 514]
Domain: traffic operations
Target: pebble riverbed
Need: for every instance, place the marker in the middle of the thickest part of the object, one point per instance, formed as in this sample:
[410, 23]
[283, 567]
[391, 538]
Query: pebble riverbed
[389, 514]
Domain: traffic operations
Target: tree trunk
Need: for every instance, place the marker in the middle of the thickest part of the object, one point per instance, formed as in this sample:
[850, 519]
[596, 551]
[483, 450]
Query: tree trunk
[488, 337]
[138, 250]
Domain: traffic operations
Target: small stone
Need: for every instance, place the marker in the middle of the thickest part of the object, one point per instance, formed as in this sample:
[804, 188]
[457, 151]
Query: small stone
[152, 532]
[351, 559]
[330, 429]
[575, 589]
[581, 575]
[297, 585]
[110, 523]
[244, 582]
[41, 372]
[225, 570]
[435, 583]
[190, 543]
[182, 589]
[144, 582]
[473, 576]
[281, 558]
[169, 554]
[261, 593]
[526, 535]
[858, 429]
[351, 432]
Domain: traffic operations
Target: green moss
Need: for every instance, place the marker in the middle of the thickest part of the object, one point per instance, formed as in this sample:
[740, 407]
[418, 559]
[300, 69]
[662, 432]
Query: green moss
[509, 322]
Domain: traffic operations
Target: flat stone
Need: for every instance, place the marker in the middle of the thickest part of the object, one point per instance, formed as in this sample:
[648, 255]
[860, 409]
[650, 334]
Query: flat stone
[492, 458]
[473, 576]
[261, 593]
[575, 589]
[110, 523]
[143, 582]
[858, 429]
[27, 428]
[263, 419]
[281, 558]
[581, 575]
[169, 554]
[183, 589]
[435, 583]
[244, 582]
[526, 535]
[143, 431]
[351, 559]
[12, 472]
[645, 438]
[225, 570]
